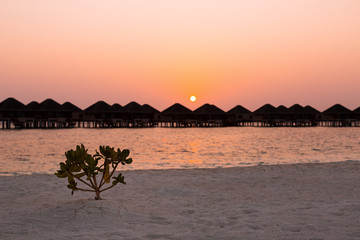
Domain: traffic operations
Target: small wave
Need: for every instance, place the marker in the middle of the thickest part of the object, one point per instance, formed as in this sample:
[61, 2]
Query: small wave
[23, 159]
[316, 149]
[184, 150]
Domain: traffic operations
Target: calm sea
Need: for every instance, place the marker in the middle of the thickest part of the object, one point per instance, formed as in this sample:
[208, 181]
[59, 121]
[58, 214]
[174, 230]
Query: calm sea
[40, 151]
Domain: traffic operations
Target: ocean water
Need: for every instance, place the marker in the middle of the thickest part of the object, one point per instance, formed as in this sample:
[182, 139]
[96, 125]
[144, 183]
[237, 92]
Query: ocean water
[40, 151]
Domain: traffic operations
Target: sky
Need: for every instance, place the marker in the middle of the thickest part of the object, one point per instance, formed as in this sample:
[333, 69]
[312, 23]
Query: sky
[160, 52]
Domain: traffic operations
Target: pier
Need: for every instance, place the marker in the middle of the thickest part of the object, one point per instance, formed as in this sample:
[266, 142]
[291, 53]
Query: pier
[49, 114]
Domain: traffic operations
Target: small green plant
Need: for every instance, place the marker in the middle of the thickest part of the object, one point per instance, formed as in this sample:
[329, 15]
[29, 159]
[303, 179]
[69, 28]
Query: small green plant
[81, 166]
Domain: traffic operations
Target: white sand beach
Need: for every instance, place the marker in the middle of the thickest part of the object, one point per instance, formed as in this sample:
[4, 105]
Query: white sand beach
[302, 201]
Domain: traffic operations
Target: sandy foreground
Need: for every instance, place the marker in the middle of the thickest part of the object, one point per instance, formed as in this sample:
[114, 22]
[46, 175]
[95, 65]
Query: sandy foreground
[303, 201]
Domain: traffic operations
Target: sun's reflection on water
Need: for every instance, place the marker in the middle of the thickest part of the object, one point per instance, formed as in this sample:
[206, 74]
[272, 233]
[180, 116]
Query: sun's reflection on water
[40, 151]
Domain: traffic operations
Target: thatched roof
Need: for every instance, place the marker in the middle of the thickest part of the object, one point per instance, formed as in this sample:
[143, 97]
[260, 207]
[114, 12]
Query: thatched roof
[208, 109]
[177, 108]
[68, 106]
[11, 104]
[239, 110]
[50, 105]
[99, 107]
[310, 110]
[266, 109]
[117, 108]
[337, 109]
[296, 109]
[33, 106]
[133, 107]
[149, 109]
[282, 110]
[357, 110]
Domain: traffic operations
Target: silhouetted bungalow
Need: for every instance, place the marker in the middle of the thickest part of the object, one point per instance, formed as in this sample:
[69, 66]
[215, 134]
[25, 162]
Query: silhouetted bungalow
[33, 110]
[69, 107]
[239, 116]
[153, 113]
[33, 113]
[117, 108]
[337, 116]
[133, 110]
[43, 114]
[99, 108]
[11, 108]
[337, 112]
[297, 112]
[118, 111]
[282, 110]
[209, 115]
[117, 115]
[136, 116]
[265, 115]
[99, 114]
[12, 111]
[313, 114]
[33, 106]
[148, 108]
[51, 109]
[310, 110]
[282, 113]
[72, 114]
[177, 115]
[300, 116]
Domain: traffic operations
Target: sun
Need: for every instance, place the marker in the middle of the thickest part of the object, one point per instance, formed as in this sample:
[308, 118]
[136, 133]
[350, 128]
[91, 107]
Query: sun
[193, 98]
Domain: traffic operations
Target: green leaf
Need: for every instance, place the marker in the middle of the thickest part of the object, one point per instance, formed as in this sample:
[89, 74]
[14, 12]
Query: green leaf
[128, 161]
[79, 175]
[125, 153]
[61, 174]
[75, 168]
[63, 166]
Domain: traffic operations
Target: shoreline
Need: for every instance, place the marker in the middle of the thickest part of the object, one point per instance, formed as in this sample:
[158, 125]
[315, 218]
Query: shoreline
[286, 201]
[188, 168]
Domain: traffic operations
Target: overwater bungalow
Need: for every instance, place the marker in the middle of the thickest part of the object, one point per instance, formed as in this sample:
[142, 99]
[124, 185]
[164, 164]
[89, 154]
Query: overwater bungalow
[72, 113]
[52, 115]
[98, 115]
[282, 116]
[33, 115]
[313, 115]
[209, 115]
[12, 113]
[298, 116]
[177, 116]
[337, 116]
[239, 116]
[135, 115]
[265, 116]
[152, 113]
[118, 115]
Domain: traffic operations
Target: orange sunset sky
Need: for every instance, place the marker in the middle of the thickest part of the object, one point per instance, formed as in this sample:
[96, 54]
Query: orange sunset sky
[225, 52]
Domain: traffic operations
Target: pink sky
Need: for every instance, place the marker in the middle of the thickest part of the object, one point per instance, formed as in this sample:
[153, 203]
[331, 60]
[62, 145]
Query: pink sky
[226, 52]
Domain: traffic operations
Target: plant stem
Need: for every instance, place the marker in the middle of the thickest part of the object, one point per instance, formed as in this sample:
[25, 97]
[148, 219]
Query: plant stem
[107, 188]
[85, 190]
[80, 180]
[95, 183]
[97, 197]
[103, 175]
